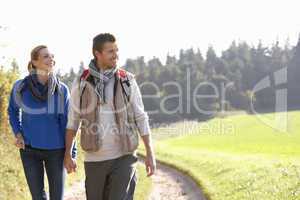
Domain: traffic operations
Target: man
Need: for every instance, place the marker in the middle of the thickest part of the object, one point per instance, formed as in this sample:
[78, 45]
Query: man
[107, 102]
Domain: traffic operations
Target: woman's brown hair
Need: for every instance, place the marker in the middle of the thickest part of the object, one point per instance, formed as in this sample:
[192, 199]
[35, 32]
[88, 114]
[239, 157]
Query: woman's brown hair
[34, 56]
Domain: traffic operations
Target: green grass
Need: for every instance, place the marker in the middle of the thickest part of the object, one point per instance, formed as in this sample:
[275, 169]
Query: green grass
[236, 158]
[13, 184]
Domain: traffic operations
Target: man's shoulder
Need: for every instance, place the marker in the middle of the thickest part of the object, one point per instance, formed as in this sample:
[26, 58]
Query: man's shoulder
[123, 73]
[84, 74]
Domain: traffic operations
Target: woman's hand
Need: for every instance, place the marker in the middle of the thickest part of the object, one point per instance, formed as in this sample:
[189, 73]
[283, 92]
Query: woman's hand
[19, 142]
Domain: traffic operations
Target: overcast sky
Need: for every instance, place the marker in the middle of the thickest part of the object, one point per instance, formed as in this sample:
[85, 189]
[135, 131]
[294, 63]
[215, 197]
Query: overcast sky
[143, 28]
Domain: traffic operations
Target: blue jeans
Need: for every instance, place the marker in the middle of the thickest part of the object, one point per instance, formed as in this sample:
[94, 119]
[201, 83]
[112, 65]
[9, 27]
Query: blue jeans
[34, 162]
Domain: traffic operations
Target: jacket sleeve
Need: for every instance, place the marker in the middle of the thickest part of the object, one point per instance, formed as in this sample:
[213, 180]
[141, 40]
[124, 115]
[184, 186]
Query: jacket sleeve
[64, 120]
[14, 111]
[140, 115]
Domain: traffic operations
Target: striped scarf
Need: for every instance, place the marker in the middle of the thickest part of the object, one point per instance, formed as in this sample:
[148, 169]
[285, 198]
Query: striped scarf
[101, 79]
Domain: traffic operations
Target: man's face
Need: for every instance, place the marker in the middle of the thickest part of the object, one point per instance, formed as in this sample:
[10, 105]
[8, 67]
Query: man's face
[109, 55]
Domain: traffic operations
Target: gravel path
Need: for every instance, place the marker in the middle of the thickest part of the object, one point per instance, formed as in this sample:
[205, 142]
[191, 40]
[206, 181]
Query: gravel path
[170, 184]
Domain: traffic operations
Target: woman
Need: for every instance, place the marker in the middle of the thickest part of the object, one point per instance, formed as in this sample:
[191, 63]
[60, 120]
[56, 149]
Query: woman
[38, 111]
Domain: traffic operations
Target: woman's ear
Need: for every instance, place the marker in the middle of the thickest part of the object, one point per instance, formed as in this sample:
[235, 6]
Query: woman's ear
[34, 63]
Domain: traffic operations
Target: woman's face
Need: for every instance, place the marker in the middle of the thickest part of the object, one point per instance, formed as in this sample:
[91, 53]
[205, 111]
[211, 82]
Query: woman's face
[45, 60]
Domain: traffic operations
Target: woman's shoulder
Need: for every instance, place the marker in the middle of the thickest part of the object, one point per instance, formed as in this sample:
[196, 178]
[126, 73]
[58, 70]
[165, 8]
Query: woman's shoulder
[64, 87]
[19, 81]
[18, 84]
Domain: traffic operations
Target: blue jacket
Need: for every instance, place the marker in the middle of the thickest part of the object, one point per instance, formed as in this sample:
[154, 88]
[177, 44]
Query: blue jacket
[42, 123]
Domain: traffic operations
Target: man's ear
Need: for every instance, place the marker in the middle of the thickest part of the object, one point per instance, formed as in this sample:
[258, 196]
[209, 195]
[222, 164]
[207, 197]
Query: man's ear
[98, 54]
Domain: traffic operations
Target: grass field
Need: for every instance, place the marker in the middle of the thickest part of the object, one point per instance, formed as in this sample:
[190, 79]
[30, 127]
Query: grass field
[235, 158]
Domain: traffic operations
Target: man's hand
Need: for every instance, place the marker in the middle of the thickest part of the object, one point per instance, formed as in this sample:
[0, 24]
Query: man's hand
[150, 164]
[19, 142]
[70, 163]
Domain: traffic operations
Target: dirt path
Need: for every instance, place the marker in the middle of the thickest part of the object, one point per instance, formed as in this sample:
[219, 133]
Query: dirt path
[168, 184]
[75, 192]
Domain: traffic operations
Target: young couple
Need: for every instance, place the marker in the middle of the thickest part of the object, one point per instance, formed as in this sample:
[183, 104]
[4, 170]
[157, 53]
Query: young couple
[105, 104]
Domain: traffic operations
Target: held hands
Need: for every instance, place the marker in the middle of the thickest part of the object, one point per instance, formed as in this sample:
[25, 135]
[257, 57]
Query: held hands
[70, 163]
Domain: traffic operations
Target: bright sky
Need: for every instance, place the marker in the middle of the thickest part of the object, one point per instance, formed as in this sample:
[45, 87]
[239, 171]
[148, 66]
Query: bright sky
[143, 28]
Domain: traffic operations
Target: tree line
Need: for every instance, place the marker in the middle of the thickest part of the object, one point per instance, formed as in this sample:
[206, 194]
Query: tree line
[194, 86]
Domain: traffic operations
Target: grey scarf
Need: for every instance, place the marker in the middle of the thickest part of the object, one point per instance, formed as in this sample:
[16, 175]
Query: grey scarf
[41, 93]
[101, 79]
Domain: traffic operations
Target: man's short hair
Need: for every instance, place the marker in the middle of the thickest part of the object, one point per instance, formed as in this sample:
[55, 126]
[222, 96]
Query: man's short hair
[100, 39]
